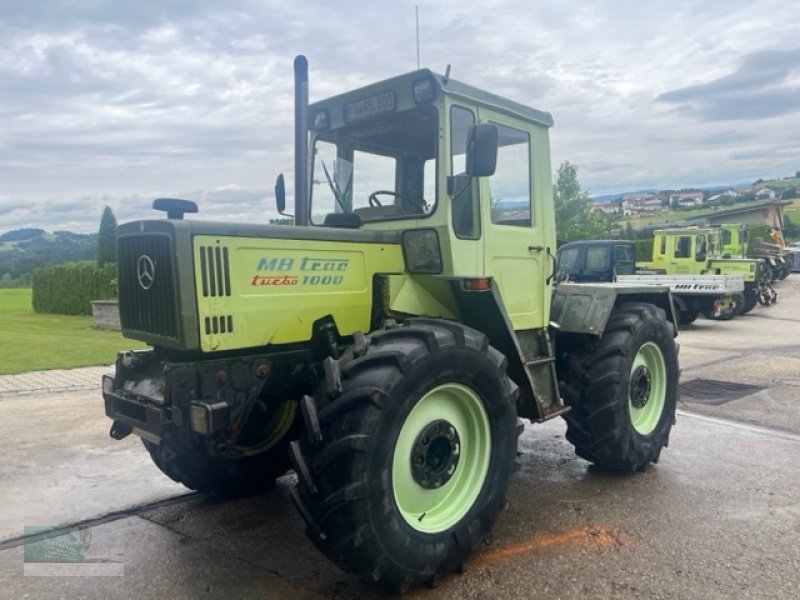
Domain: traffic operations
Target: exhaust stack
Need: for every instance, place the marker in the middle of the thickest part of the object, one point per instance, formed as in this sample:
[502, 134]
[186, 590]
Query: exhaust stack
[301, 208]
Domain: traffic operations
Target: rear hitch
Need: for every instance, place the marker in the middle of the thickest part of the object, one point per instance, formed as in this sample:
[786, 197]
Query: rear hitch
[120, 430]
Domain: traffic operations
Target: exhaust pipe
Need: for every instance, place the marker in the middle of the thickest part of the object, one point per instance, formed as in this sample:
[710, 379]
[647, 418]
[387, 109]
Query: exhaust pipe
[301, 208]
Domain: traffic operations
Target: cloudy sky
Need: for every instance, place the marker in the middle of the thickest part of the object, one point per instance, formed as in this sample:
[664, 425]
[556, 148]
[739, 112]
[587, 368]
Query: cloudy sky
[116, 103]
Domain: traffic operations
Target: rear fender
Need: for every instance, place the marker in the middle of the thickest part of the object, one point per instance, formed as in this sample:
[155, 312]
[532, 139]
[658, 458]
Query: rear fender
[586, 308]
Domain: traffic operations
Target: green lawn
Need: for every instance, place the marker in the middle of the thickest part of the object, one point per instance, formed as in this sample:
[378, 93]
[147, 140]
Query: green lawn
[31, 342]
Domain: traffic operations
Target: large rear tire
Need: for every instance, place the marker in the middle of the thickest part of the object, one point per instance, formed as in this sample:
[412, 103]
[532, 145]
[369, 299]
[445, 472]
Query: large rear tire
[623, 390]
[410, 449]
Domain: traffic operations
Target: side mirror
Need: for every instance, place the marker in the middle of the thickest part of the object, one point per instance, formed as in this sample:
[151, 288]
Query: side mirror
[481, 150]
[280, 195]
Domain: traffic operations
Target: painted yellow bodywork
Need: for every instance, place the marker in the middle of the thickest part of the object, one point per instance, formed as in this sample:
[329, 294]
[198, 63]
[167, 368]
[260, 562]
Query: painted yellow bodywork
[690, 265]
[280, 287]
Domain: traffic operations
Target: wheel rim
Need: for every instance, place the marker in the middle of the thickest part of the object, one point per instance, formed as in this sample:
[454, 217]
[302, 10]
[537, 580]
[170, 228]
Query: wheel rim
[458, 458]
[276, 429]
[647, 389]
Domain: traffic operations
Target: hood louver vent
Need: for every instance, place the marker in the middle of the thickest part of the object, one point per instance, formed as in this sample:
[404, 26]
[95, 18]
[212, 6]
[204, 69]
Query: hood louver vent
[215, 271]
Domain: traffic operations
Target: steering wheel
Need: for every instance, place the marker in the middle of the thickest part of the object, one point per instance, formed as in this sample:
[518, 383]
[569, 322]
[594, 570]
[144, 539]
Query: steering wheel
[373, 199]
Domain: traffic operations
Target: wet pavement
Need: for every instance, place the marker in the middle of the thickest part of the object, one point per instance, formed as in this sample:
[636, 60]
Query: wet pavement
[718, 517]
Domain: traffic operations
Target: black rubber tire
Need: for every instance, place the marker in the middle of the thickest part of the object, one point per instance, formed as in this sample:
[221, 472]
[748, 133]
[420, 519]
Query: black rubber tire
[750, 298]
[344, 489]
[739, 299]
[223, 477]
[687, 316]
[595, 383]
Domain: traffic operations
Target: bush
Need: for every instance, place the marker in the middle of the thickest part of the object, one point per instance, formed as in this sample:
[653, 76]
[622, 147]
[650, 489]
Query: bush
[68, 289]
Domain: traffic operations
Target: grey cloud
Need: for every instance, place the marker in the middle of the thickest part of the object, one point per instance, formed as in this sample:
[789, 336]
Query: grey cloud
[756, 71]
[756, 90]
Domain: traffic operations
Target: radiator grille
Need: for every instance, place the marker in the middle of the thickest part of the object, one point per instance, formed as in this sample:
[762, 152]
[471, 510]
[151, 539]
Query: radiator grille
[148, 300]
[215, 271]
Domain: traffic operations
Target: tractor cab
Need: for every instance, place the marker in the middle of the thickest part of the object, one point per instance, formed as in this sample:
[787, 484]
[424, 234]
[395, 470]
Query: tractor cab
[461, 176]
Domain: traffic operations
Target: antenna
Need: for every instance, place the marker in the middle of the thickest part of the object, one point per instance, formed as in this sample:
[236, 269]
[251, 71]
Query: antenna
[446, 75]
[416, 11]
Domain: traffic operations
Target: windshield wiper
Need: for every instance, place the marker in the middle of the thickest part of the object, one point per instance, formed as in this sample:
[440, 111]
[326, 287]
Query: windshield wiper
[337, 193]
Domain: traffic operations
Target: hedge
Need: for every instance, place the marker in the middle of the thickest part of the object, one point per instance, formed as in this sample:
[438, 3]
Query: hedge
[68, 289]
[644, 250]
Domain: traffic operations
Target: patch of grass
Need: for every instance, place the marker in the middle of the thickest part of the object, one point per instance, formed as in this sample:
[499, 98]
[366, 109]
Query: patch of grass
[32, 342]
[782, 184]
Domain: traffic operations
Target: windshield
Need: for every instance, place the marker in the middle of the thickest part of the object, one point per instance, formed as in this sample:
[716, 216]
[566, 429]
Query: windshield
[379, 169]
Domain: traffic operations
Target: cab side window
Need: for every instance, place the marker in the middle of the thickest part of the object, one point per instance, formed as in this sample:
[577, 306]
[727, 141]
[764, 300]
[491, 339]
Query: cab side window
[700, 253]
[462, 189]
[596, 258]
[683, 247]
[510, 186]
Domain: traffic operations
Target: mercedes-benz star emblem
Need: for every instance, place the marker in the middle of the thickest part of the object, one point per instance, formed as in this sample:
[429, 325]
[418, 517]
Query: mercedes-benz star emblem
[146, 271]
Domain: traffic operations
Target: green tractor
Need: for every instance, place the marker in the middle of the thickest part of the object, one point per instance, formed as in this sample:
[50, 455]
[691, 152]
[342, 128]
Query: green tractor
[736, 242]
[698, 251]
[385, 346]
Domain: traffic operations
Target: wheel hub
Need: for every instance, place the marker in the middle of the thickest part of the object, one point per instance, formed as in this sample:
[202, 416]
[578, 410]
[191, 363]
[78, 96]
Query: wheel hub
[435, 454]
[640, 386]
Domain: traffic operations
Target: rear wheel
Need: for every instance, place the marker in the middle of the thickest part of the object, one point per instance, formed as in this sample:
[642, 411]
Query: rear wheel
[750, 298]
[623, 390]
[687, 316]
[410, 449]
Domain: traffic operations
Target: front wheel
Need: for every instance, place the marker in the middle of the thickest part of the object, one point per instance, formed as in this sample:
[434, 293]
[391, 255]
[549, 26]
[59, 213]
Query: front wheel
[413, 455]
[263, 460]
[623, 389]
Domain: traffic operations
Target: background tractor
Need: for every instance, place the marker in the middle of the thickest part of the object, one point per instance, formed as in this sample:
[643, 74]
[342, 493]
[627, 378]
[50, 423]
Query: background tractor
[386, 345]
[698, 251]
[736, 241]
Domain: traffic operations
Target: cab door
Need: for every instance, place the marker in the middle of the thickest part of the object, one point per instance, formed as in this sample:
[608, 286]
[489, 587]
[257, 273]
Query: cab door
[517, 243]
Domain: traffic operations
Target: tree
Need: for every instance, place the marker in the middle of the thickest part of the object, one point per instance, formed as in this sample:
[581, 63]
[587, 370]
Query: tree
[574, 217]
[107, 238]
[629, 233]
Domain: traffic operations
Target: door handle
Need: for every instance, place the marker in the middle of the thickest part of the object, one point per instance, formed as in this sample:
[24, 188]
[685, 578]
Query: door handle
[535, 248]
[551, 255]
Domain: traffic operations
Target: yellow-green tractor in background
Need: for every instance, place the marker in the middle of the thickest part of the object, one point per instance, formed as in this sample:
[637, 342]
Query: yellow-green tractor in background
[385, 346]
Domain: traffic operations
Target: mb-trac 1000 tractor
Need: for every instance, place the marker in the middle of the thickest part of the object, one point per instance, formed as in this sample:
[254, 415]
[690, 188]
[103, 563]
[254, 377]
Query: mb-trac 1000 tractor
[385, 346]
[698, 251]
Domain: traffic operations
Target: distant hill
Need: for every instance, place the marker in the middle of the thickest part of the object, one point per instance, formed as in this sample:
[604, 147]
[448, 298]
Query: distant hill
[602, 198]
[21, 234]
[24, 250]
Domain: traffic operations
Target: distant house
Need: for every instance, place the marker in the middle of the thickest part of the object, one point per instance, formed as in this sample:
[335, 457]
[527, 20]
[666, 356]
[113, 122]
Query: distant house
[731, 193]
[607, 208]
[686, 199]
[636, 204]
[765, 194]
